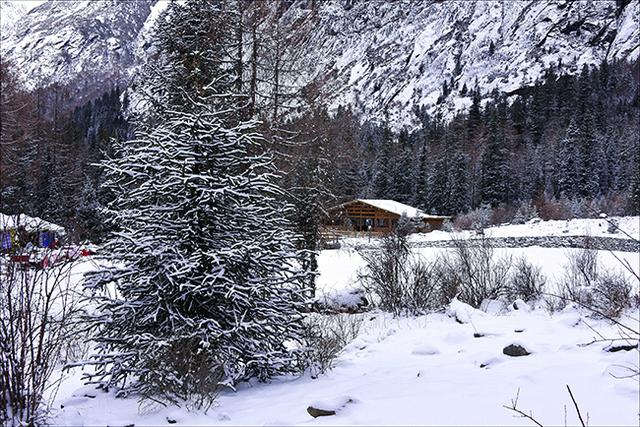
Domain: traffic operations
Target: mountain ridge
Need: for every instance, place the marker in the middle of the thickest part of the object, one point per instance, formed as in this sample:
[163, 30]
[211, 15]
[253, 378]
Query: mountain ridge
[377, 58]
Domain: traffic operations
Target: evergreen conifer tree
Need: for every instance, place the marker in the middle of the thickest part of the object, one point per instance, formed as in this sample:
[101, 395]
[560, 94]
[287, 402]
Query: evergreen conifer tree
[208, 288]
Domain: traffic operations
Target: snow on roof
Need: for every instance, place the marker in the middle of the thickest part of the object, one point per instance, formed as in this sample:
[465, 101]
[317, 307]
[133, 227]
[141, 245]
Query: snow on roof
[29, 223]
[398, 208]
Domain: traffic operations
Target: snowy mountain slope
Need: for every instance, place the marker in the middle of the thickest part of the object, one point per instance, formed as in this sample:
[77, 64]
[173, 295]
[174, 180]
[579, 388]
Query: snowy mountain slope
[377, 55]
[10, 13]
[370, 55]
[88, 43]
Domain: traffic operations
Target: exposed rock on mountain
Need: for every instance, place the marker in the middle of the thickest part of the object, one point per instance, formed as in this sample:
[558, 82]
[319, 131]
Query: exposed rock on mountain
[10, 13]
[397, 55]
[370, 55]
[87, 44]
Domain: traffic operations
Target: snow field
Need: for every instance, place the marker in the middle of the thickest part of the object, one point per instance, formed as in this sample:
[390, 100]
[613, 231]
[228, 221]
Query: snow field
[339, 268]
[421, 371]
[445, 368]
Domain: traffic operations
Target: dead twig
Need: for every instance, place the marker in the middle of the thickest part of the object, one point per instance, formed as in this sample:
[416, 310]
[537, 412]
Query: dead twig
[576, 406]
[521, 413]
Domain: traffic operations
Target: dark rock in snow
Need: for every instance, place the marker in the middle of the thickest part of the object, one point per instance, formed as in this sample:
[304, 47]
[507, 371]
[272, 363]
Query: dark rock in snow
[623, 347]
[515, 350]
[317, 412]
[521, 305]
[171, 420]
[478, 335]
[328, 408]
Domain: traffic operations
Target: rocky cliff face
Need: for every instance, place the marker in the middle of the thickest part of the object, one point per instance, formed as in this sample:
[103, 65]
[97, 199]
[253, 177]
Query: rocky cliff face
[84, 44]
[370, 55]
[397, 55]
[10, 13]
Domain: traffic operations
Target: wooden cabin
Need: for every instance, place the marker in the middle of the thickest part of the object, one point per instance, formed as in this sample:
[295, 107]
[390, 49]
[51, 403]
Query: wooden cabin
[380, 216]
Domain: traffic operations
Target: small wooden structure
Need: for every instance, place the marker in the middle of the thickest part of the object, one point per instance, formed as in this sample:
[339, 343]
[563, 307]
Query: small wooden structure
[20, 231]
[376, 215]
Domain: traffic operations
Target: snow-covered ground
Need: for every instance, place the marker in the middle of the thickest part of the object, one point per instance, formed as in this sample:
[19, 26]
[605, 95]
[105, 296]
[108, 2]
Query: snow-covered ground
[427, 370]
[627, 227]
[340, 267]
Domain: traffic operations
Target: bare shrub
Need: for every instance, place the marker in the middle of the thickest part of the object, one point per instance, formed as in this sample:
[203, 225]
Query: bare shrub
[502, 214]
[527, 281]
[526, 211]
[39, 326]
[606, 293]
[550, 209]
[326, 336]
[476, 219]
[611, 294]
[202, 384]
[398, 281]
[479, 273]
[581, 273]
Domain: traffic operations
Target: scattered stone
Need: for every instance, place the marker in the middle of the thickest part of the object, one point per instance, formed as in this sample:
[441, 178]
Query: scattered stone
[517, 331]
[317, 412]
[616, 348]
[489, 362]
[478, 335]
[90, 396]
[521, 305]
[171, 420]
[329, 407]
[515, 350]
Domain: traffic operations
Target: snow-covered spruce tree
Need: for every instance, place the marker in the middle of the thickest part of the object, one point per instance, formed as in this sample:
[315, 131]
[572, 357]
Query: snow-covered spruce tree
[208, 290]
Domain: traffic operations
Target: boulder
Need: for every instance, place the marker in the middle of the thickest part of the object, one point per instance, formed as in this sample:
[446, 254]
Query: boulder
[329, 407]
[515, 350]
[462, 312]
[318, 412]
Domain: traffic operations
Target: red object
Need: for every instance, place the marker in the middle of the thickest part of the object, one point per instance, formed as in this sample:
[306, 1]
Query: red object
[87, 252]
[23, 259]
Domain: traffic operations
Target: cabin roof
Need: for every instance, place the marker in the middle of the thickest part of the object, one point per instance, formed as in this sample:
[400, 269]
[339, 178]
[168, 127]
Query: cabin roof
[30, 224]
[395, 208]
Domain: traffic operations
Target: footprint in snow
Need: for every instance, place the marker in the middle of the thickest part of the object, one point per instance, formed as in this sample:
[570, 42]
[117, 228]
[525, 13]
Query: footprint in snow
[425, 350]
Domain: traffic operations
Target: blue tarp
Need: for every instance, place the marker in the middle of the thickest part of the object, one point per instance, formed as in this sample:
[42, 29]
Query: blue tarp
[5, 240]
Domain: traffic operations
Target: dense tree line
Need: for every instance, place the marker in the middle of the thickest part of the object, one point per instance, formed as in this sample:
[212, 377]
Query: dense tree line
[564, 144]
[49, 151]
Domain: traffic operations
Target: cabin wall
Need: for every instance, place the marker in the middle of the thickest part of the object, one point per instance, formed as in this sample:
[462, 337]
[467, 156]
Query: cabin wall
[359, 216]
[363, 217]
